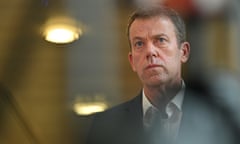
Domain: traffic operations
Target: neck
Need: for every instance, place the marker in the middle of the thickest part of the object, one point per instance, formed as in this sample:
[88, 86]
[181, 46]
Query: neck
[161, 95]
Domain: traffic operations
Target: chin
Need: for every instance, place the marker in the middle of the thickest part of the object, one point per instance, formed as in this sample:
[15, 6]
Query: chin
[155, 82]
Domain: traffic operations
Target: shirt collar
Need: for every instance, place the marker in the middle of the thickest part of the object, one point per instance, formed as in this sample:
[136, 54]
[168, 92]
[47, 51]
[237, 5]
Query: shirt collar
[177, 100]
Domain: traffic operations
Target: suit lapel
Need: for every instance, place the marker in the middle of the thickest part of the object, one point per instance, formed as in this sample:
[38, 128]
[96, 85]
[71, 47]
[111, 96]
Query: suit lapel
[134, 122]
[134, 111]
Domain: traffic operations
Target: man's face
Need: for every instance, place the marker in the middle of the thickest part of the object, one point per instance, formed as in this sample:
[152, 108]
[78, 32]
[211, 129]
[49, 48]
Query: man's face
[156, 55]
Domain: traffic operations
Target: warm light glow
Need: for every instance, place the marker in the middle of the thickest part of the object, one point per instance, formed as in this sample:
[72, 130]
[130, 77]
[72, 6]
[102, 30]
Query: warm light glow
[61, 35]
[61, 30]
[89, 108]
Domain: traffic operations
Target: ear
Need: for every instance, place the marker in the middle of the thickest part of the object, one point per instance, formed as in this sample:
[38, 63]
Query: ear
[130, 58]
[185, 51]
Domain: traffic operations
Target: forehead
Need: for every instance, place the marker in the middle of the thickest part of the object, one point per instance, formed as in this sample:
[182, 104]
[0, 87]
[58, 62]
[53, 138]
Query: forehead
[151, 25]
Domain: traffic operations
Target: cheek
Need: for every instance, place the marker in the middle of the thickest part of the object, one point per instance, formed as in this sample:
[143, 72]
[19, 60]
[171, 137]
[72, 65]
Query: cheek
[169, 51]
[134, 62]
[169, 56]
[173, 58]
[138, 62]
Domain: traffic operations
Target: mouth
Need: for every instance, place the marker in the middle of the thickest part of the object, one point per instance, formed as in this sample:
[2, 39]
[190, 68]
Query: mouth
[153, 66]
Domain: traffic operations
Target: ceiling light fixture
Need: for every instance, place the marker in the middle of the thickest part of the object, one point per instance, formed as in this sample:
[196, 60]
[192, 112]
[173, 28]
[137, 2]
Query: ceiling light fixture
[88, 104]
[89, 108]
[62, 30]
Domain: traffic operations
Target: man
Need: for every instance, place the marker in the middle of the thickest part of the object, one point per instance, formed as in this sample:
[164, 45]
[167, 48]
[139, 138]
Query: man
[158, 50]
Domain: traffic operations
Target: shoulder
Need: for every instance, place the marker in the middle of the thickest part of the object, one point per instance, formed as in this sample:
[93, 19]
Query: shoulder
[107, 126]
[119, 109]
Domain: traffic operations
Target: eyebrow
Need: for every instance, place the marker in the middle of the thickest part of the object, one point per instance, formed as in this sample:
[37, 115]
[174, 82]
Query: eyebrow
[159, 35]
[137, 38]
[154, 36]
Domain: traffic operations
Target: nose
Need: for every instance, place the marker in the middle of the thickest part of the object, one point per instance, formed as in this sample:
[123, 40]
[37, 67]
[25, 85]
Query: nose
[151, 51]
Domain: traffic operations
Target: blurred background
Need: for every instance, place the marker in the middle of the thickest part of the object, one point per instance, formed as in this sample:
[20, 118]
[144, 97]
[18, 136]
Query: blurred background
[50, 82]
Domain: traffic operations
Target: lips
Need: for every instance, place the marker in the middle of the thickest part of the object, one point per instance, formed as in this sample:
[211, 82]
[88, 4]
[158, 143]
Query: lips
[150, 66]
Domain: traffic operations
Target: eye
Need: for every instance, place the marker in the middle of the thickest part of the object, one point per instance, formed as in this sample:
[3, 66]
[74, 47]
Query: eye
[161, 39]
[138, 44]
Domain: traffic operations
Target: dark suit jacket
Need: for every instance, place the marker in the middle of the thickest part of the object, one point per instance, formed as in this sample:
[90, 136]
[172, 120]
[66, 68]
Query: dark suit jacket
[202, 123]
[119, 125]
